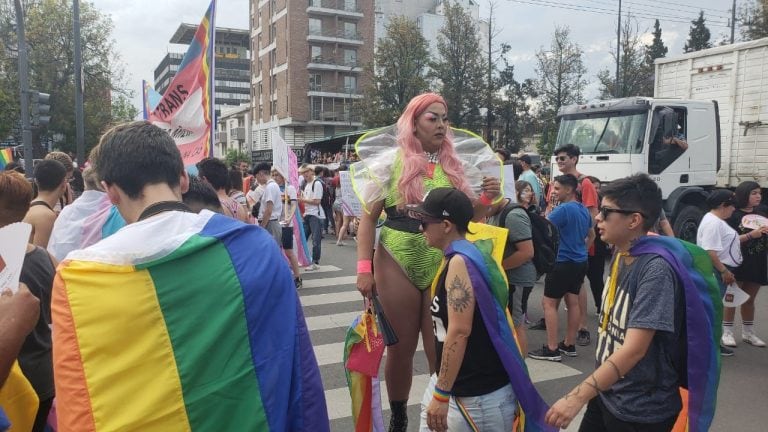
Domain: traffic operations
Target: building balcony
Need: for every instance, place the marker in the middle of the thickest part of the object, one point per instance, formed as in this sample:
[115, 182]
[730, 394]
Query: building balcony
[338, 118]
[334, 91]
[334, 8]
[237, 133]
[220, 137]
[335, 64]
[335, 36]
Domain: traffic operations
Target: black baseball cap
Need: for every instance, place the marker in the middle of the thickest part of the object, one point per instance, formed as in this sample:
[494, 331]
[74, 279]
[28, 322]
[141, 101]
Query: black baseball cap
[445, 203]
[525, 158]
[720, 196]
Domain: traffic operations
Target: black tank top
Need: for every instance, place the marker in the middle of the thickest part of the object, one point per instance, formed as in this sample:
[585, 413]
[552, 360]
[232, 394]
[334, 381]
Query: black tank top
[481, 370]
[36, 358]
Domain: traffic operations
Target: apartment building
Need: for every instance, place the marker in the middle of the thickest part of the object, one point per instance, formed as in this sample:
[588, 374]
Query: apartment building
[307, 67]
[232, 65]
[233, 130]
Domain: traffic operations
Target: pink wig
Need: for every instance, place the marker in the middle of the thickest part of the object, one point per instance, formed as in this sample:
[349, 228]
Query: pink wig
[415, 162]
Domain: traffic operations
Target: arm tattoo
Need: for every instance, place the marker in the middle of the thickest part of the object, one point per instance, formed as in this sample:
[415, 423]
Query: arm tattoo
[459, 294]
[615, 368]
[448, 352]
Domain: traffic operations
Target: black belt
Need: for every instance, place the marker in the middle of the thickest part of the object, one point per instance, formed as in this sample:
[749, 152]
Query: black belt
[397, 220]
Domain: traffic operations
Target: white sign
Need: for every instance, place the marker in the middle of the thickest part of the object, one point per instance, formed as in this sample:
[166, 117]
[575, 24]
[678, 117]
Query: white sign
[509, 182]
[12, 250]
[280, 155]
[348, 194]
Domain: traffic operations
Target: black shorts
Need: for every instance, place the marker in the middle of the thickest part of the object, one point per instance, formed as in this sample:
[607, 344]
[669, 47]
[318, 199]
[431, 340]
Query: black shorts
[565, 278]
[287, 238]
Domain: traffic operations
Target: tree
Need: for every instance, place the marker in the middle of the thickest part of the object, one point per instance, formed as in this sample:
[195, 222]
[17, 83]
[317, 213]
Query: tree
[235, 156]
[754, 20]
[698, 37]
[635, 74]
[460, 68]
[560, 72]
[51, 67]
[399, 73]
[123, 110]
[656, 49]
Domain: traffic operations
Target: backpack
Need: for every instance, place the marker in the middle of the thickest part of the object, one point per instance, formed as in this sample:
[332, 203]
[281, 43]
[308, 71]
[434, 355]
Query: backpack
[545, 236]
[327, 199]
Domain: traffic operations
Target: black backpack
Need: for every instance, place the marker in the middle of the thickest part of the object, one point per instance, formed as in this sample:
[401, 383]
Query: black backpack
[545, 236]
[327, 199]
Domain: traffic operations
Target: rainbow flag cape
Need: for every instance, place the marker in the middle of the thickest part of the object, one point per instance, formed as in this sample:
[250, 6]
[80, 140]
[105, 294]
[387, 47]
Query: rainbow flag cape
[175, 324]
[703, 320]
[150, 98]
[89, 219]
[364, 390]
[186, 108]
[492, 295]
[18, 401]
[6, 157]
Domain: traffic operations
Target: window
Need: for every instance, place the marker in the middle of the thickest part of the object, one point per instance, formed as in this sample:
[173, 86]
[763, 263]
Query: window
[315, 26]
[272, 33]
[315, 82]
[350, 84]
[669, 140]
[350, 57]
[273, 59]
[350, 29]
[317, 52]
[350, 5]
[604, 133]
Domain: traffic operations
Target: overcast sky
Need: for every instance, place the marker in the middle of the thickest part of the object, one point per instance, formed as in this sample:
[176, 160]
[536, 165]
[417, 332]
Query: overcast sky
[143, 28]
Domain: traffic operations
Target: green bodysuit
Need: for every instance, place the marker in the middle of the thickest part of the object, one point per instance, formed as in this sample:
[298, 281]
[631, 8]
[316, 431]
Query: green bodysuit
[419, 261]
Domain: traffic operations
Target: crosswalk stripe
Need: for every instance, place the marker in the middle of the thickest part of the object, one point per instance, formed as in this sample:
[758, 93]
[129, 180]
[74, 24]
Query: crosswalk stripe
[339, 402]
[324, 322]
[324, 299]
[326, 282]
[321, 269]
[334, 353]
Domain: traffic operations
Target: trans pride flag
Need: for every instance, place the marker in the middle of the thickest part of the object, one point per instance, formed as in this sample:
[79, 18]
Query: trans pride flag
[150, 98]
[183, 322]
[186, 109]
[703, 321]
[6, 157]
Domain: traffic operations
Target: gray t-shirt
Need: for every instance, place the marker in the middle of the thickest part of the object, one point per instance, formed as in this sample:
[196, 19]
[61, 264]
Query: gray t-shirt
[519, 225]
[648, 296]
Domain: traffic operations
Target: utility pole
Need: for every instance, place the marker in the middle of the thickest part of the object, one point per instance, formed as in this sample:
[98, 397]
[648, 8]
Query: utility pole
[26, 130]
[618, 53]
[733, 20]
[79, 84]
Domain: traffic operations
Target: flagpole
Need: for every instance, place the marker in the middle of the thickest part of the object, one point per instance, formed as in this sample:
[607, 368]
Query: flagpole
[212, 77]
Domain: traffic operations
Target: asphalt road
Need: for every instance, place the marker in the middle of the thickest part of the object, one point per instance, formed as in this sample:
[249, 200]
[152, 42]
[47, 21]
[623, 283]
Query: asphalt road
[331, 301]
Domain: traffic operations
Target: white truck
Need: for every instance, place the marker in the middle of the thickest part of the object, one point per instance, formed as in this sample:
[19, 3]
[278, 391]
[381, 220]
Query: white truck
[706, 127]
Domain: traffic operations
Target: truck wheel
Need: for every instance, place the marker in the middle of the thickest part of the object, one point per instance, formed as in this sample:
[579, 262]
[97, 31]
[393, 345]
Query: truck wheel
[687, 223]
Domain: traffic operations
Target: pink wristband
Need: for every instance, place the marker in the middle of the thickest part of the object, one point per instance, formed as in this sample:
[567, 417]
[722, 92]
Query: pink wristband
[365, 266]
[484, 200]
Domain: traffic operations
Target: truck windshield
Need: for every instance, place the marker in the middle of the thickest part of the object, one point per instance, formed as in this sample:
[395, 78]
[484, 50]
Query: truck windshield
[605, 132]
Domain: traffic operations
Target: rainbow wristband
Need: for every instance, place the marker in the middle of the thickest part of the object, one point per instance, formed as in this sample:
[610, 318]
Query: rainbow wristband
[441, 395]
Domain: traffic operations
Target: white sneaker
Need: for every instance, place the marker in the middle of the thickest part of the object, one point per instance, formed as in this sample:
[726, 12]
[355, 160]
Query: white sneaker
[752, 339]
[312, 267]
[728, 339]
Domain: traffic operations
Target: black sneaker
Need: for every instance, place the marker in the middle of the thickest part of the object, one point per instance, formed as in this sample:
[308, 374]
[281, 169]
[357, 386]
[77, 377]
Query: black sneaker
[544, 353]
[569, 350]
[726, 352]
[298, 282]
[540, 325]
[582, 339]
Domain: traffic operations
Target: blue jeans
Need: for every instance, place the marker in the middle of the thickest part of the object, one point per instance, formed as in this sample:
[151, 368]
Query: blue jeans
[315, 225]
[494, 411]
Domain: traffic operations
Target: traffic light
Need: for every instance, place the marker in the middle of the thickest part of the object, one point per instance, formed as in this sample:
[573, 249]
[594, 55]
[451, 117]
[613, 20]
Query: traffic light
[40, 108]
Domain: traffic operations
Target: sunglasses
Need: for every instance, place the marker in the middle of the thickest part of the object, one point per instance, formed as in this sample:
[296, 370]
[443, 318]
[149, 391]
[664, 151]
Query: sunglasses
[562, 158]
[605, 211]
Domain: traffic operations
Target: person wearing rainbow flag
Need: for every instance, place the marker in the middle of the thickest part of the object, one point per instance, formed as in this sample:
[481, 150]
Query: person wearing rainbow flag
[659, 325]
[174, 323]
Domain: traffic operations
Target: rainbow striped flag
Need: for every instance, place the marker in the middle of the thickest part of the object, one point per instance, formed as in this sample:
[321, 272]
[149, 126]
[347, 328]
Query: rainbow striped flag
[183, 322]
[703, 320]
[186, 108]
[364, 390]
[6, 157]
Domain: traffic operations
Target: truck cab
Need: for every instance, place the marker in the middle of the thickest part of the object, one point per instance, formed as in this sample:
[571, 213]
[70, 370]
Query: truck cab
[675, 141]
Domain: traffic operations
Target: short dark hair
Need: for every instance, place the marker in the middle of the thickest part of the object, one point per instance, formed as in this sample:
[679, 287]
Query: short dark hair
[235, 179]
[49, 173]
[201, 195]
[742, 192]
[136, 154]
[569, 149]
[568, 180]
[263, 166]
[319, 170]
[503, 152]
[637, 192]
[215, 172]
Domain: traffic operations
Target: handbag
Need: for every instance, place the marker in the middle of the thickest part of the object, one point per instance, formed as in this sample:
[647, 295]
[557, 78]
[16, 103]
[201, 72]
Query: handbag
[365, 356]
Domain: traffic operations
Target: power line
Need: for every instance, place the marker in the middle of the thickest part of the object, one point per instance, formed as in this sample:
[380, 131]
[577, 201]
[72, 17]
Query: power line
[677, 3]
[603, 11]
[654, 10]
